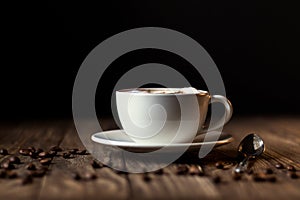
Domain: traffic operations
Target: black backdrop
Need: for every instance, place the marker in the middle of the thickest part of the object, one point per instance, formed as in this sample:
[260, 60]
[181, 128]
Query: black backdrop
[255, 46]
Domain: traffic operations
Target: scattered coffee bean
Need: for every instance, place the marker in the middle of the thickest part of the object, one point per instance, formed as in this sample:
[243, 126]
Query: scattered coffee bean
[55, 148]
[290, 168]
[27, 179]
[44, 154]
[259, 177]
[292, 174]
[2, 173]
[268, 171]
[196, 170]
[33, 154]
[14, 160]
[193, 170]
[146, 177]
[39, 150]
[95, 164]
[201, 171]
[66, 155]
[3, 152]
[24, 152]
[181, 169]
[219, 165]
[90, 176]
[249, 171]
[7, 165]
[45, 161]
[11, 174]
[279, 166]
[81, 152]
[73, 151]
[159, 172]
[30, 166]
[31, 148]
[227, 165]
[52, 153]
[76, 176]
[216, 179]
[236, 176]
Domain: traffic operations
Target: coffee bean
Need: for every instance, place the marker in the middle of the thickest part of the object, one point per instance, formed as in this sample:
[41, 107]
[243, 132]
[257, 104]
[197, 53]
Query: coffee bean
[30, 166]
[201, 171]
[268, 171]
[14, 160]
[7, 165]
[73, 151]
[259, 177]
[27, 179]
[55, 148]
[76, 176]
[181, 169]
[219, 165]
[45, 161]
[90, 176]
[159, 172]
[95, 164]
[279, 166]
[39, 150]
[44, 154]
[216, 179]
[33, 154]
[290, 168]
[227, 165]
[196, 170]
[66, 155]
[146, 177]
[81, 152]
[3, 152]
[24, 152]
[11, 174]
[31, 148]
[52, 153]
[292, 174]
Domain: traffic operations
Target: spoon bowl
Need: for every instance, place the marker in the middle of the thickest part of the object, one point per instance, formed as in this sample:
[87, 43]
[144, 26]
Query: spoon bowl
[251, 146]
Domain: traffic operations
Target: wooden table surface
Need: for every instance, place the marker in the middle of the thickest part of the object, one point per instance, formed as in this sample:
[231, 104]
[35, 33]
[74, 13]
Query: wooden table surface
[281, 135]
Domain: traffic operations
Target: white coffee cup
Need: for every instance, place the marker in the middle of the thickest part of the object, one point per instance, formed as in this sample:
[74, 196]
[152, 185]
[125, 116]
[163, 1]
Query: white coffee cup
[167, 115]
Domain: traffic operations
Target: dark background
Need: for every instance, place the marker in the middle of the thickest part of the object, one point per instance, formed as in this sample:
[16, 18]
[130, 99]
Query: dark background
[255, 46]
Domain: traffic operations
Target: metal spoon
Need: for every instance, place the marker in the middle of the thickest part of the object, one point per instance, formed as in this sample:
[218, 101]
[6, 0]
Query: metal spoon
[251, 146]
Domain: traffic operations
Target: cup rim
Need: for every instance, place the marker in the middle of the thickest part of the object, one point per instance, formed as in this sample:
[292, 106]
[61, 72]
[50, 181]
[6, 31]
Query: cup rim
[127, 91]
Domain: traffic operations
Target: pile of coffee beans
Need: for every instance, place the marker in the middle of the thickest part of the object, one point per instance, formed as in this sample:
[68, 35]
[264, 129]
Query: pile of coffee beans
[41, 159]
[3, 152]
[263, 175]
[37, 166]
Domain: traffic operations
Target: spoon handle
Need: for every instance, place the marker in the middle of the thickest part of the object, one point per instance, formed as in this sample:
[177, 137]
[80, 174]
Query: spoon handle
[242, 166]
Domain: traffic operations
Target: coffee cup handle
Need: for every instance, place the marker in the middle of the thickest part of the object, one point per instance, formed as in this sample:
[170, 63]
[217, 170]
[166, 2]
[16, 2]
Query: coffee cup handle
[227, 115]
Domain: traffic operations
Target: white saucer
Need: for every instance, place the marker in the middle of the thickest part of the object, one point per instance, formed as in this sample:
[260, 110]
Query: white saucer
[119, 138]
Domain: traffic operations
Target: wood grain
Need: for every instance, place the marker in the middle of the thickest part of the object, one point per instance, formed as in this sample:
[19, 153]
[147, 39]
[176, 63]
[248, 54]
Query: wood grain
[281, 135]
